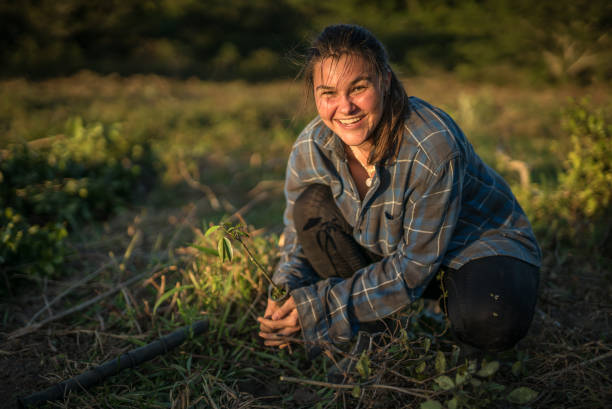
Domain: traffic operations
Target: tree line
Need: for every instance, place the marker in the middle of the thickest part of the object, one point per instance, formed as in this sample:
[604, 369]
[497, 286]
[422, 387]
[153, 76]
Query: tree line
[549, 41]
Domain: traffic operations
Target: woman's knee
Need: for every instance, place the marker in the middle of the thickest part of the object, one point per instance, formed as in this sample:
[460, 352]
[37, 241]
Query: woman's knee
[491, 303]
[309, 204]
[325, 235]
[492, 328]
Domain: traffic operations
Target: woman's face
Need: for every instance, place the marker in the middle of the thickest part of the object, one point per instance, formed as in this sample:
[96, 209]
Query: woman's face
[348, 98]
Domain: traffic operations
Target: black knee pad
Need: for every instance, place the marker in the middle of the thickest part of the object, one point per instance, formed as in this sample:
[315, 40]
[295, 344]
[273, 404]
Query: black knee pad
[491, 301]
[492, 329]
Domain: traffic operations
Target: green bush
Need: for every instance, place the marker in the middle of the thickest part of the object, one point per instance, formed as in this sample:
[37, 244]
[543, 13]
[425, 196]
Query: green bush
[587, 183]
[83, 175]
[577, 212]
[29, 249]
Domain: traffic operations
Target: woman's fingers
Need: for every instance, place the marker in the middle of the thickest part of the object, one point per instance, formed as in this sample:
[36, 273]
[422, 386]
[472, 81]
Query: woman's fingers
[276, 317]
[287, 308]
[278, 338]
[278, 323]
[268, 325]
[265, 328]
[282, 333]
[271, 307]
[276, 343]
[290, 320]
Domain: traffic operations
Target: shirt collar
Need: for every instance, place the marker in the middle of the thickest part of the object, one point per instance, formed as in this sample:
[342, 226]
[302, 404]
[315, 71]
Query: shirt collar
[326, 139]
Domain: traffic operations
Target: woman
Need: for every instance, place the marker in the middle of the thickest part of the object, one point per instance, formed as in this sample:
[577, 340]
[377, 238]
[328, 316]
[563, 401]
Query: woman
[384, 190]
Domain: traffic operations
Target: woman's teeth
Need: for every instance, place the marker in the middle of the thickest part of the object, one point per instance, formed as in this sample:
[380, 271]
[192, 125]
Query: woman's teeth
[349, 121]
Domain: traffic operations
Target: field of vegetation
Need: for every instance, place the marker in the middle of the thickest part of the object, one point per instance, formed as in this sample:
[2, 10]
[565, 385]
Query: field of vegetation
[109, 183]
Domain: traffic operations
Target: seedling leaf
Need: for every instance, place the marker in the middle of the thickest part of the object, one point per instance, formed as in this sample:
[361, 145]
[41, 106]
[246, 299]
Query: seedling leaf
[363, 365]
[226, 252]
[356, 392]
[420, 368]
[522, 395]
[455, 355]
[427, 344]
[440, 362]
[488, 369]
[211, 230]
[472, 366]
[445, 382]
[431, 404]
[205, 250]
[516, 368]
[461, 377]
[452, 404]
[494, 387]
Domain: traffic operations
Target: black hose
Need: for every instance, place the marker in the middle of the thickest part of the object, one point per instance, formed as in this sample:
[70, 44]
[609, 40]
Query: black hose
[100, 373]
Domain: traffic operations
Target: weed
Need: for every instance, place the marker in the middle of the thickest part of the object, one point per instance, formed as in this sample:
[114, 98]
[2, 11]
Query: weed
[225, 251]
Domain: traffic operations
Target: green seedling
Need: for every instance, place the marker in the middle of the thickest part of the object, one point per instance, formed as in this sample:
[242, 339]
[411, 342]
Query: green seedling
[225, 252]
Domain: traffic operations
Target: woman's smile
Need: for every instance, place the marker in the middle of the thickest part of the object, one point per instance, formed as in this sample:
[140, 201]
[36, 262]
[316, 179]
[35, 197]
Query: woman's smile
[350, 121]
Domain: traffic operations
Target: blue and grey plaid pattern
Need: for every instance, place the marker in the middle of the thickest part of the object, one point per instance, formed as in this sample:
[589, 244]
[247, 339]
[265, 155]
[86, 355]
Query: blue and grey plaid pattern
[436, 205]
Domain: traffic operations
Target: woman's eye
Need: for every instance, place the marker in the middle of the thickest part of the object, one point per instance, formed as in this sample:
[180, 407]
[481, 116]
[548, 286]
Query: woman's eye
[359, 88]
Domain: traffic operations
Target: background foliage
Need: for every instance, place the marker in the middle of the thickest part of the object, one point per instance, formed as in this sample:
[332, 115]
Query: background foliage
[223, 39]
[576, 211]
[82, 175]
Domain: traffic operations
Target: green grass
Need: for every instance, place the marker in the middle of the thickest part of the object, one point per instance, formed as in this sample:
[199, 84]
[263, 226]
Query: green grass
[232, 139]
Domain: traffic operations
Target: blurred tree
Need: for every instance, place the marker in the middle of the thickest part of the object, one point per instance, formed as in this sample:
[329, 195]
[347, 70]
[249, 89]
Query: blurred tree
[221, 39]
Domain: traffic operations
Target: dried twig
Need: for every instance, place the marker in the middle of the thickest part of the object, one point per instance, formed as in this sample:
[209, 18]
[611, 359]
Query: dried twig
[33, 327]
[102, 334]
[261, 192]
[517, 165]
[578, 365]
[419, 393]
[69, 290]
[186, 222]
[548, 318]
[210, 194]
[247, 207]
[266, 185]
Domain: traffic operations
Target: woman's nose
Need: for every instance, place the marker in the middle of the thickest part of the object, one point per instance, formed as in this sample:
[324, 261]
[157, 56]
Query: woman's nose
[346, 105]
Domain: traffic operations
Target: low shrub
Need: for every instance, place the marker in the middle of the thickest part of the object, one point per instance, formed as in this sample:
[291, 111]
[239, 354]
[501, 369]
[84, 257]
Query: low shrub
[28, 250]
[576, 212]
[83, 175]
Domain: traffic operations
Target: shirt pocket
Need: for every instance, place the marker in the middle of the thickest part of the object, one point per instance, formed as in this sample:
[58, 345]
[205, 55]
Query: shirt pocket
[392, 230]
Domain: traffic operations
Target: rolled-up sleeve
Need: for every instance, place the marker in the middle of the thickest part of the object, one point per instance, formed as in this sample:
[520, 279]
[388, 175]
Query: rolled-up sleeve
[331, 310]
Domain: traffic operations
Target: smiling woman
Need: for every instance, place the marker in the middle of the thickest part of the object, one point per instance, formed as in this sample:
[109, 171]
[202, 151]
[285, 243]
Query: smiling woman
[349, 99]
[383, 192]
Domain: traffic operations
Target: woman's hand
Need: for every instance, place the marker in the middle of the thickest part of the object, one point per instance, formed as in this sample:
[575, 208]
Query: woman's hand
[279, 322]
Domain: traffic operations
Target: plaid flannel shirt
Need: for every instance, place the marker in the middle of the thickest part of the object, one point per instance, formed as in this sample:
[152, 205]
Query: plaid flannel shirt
[437, 204]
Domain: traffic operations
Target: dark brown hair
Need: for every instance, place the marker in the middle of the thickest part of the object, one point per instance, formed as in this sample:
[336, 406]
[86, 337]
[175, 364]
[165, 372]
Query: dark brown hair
[338, 40]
